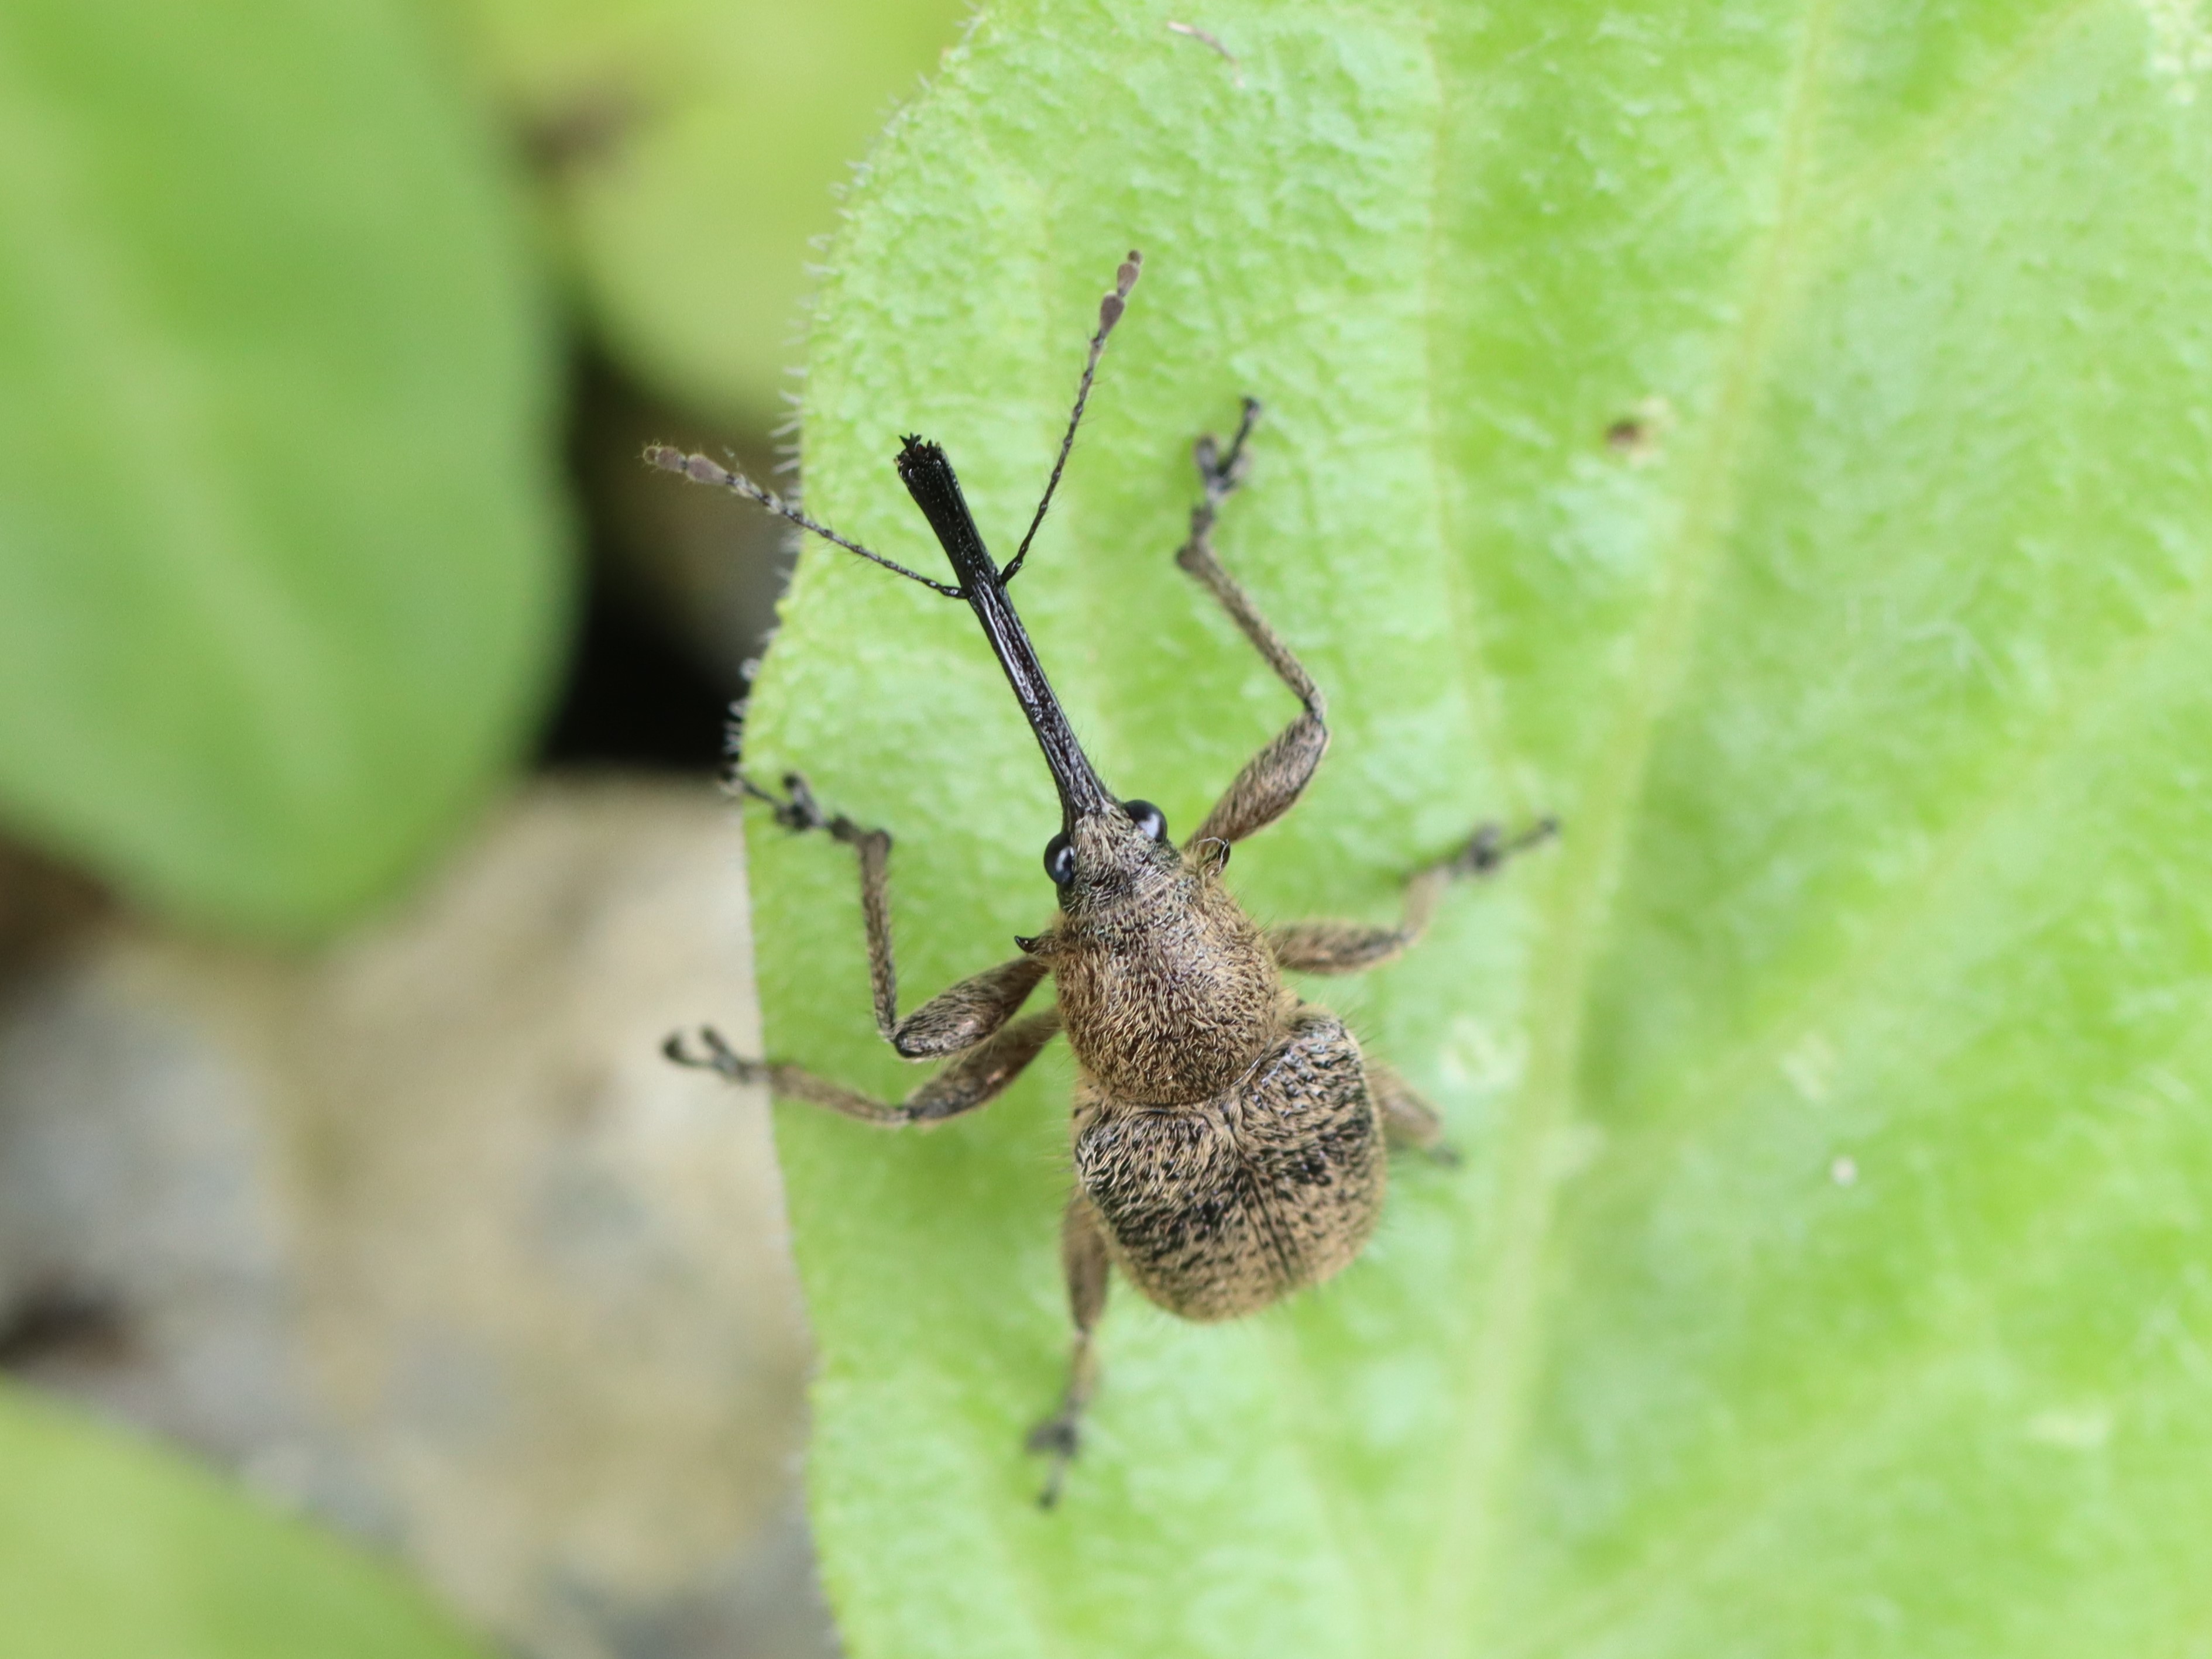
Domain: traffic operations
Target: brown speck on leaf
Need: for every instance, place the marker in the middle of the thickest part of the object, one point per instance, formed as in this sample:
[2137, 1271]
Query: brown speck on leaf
[1640, 435]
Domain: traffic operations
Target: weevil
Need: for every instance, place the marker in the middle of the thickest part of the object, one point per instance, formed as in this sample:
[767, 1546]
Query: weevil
[1230, 1137]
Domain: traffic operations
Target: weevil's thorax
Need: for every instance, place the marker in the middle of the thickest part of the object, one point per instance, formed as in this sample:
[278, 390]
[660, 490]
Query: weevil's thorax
[1167, 990]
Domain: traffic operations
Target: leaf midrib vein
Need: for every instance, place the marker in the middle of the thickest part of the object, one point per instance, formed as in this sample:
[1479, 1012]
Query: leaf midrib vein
[1502, 1366]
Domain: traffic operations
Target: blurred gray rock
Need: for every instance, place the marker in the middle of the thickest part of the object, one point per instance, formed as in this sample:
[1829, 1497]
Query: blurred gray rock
[423, 1236]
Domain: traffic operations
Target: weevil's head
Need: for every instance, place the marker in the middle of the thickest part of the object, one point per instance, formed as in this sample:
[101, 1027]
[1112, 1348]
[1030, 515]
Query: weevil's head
[1116, 852]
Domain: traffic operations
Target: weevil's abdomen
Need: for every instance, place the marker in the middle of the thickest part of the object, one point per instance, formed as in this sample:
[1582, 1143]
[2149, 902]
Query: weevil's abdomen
[1220, 1208]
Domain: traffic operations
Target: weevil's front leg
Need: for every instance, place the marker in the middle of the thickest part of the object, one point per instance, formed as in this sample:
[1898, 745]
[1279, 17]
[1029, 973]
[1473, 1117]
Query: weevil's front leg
[1273, 780]
[1408, 1120]
[1083, 1256]
[1348, 947]
[954, 1020]
[972, 1080]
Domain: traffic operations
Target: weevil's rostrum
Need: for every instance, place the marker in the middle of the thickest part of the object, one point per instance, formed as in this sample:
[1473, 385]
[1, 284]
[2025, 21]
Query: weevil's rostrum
[1230, 1137]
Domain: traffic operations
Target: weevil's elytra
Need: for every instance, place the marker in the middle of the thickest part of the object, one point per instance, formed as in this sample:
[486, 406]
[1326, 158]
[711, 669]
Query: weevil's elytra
[1229, 1137]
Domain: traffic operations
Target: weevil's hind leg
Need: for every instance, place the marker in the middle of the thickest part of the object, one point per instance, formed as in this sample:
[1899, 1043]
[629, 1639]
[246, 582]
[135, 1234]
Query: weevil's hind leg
[1348, 947]
[1408, 1120]
[955, 1019]
[1273, 780]
[1083, 1256]
[973, 1080]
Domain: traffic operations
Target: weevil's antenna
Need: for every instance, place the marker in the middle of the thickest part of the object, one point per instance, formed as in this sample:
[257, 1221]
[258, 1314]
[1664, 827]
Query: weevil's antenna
[700, 469]
[1110, 313]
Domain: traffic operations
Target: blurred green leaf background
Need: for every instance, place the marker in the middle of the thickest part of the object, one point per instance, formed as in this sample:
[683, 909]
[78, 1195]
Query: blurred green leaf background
[285, 569]
[111, 1549]
[297, 308]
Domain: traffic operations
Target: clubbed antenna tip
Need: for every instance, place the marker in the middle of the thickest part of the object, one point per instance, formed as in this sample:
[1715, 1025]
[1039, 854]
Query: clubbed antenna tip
[697, 468]
[1111, 307]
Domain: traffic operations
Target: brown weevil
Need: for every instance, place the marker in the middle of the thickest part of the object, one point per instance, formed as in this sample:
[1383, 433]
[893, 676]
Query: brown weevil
[1229, 1137]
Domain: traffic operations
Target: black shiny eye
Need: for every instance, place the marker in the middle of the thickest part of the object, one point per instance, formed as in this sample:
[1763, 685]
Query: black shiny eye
[1147, 818]
[1060, 859]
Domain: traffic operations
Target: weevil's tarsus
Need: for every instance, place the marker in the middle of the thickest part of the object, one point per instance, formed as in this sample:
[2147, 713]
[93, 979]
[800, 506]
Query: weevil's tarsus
[1110, 313]
[1273, 780]
[715, 1055]
[1084, 1258]
[1222, 474]
[1408, 1120]
[796, 808]
[1350, 947]
[950, 1022]
[1489, 850]
[975, 1079]
[701, 469]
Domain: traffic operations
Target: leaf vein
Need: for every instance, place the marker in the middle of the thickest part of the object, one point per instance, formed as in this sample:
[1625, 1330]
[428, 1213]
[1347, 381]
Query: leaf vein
[1503, 1368]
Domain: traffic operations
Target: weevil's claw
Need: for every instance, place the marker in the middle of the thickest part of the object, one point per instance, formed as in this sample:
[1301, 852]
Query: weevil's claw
[1060, 1437]
[1220, 474]
[1443, 1155]
[796, 809]
[719, 1056]
[1057, 1434]
[1488, 849]
[674, 1049]
[1481, 855]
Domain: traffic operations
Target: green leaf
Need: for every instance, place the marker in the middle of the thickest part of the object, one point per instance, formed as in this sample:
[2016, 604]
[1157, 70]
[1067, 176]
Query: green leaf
[113, 1550]
[1772, 437]
[695, 150]
[281, 571]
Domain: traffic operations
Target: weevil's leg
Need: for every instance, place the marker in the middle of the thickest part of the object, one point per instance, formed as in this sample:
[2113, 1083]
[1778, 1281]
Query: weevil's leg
[1408, 1120]
[972, 1080]
[954, 1020]
[1082, 1257]
[1346, 947]
[1273, 780]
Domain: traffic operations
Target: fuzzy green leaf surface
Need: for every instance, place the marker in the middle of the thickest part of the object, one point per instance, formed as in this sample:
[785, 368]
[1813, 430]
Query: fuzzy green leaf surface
[1772, 437]
[281, 568]
[112, 1549]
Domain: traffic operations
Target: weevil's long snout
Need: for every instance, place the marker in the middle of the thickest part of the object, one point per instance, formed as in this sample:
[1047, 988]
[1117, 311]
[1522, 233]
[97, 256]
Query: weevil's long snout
[929, 479]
